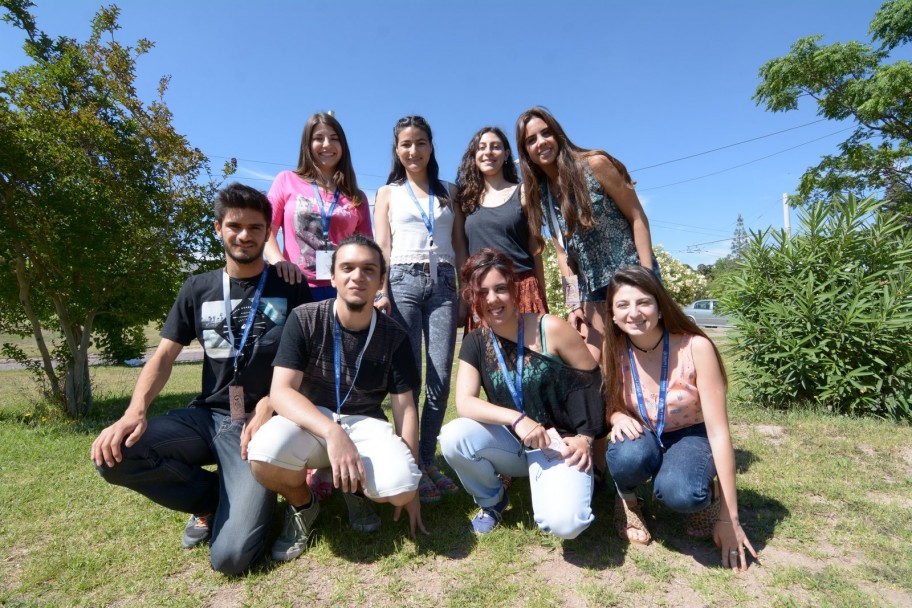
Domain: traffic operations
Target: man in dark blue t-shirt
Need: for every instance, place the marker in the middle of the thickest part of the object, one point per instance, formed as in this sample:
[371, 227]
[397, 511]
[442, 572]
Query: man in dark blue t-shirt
[237, 314]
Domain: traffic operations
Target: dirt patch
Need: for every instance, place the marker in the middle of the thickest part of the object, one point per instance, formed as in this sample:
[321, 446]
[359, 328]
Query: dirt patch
[867, 450]
[907, 457]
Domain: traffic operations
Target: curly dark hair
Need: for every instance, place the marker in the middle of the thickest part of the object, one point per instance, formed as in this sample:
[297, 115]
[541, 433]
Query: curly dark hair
[469, 180]
[474, 271]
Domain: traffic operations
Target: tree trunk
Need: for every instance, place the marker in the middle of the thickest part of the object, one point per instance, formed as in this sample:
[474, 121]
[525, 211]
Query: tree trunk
[25, 298]
[78, 387]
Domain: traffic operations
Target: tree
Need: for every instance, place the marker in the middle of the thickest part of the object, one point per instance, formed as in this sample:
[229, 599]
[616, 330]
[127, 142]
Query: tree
[683, 283]
[739, 239]
[823, 316]
[854, 81]
[102, 203]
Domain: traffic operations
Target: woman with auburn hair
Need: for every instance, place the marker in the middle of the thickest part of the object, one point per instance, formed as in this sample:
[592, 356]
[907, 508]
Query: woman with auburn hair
[317, 206]
[587, 200]
[421, 234]
[541, 412]
[489, 195]
[666, 384]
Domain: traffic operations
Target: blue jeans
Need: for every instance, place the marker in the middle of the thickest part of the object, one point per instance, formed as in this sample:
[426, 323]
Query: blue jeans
[561, 495]
[682, 474]
[166, 466]
[428, 308]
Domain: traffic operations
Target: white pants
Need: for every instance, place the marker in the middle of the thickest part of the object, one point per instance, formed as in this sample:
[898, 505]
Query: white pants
[388, 462]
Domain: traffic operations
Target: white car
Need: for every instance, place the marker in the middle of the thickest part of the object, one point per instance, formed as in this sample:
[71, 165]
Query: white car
[704, 313]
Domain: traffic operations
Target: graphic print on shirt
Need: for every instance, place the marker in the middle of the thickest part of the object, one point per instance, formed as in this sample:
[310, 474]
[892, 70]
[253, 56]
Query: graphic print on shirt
[308, 231]
[270, 313]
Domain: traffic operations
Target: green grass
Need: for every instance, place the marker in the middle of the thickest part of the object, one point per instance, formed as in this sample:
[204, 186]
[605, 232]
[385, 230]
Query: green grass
[826, 499]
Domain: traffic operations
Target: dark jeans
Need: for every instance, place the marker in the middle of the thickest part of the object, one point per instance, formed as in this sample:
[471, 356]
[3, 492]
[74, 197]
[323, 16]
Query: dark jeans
[166, 466]
[682, 474]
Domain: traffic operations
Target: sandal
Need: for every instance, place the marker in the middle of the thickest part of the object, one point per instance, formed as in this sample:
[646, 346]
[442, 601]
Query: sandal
[627, 517]
[505, 480]
[702, 523]
[444, 484]
[427, 490]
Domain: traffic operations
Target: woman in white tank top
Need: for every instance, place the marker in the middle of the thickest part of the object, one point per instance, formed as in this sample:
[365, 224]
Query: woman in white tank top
[421, 232]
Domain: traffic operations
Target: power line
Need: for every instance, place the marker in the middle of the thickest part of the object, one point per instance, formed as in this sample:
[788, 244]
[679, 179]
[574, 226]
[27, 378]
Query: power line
[746, 141]
[750, 162]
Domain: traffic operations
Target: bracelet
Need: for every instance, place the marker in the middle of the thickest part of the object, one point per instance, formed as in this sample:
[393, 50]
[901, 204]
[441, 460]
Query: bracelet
[537, 424]
[587, 440]
[722, 521]
[574, 307]
[515, 422]
[380, 295]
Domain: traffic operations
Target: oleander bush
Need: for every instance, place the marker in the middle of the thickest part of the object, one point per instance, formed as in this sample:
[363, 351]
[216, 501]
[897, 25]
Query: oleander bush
[823, 317]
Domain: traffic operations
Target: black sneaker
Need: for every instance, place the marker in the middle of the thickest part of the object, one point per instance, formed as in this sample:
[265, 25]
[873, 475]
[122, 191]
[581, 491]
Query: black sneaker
[362, 516]
[197, 531]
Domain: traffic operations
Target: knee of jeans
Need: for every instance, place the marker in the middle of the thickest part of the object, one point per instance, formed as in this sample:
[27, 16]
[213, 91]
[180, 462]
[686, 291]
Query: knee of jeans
[677, 496]
[564, 523]
[454, 440]
[628, 456]
[233, 560]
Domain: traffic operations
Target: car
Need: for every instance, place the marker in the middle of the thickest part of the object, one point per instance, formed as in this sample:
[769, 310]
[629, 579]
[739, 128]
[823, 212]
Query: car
[706, 313]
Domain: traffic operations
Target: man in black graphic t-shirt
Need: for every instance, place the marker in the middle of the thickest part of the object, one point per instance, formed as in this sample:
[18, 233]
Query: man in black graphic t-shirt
[163, 458]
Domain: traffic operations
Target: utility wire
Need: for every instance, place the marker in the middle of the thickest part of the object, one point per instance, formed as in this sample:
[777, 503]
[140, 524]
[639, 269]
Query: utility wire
[746, 141]
[750, 162]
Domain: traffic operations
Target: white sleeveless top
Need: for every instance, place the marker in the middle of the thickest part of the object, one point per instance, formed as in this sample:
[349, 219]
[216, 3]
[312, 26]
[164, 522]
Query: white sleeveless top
[410, 238]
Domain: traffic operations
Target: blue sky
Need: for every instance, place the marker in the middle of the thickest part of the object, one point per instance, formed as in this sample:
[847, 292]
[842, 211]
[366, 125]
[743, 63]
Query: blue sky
[648, 81]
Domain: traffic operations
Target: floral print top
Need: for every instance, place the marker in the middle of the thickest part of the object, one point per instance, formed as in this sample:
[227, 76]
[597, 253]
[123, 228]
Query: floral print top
[597, 252]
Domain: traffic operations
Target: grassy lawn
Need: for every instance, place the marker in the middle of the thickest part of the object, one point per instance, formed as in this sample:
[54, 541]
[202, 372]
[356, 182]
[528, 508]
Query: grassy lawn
[827, 501]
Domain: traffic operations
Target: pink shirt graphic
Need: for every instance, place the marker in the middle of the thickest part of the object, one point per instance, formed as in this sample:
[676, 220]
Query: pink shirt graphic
[295, 210]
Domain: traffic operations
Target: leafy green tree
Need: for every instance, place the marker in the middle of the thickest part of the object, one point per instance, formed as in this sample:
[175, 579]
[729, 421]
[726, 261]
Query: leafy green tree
[739, 239]
[823, 317]
[102, 202]
[854, 81]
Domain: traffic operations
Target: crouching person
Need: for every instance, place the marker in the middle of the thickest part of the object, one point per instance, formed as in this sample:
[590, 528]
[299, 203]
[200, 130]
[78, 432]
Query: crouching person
[542, 412]
[237, 314]
[337, 361]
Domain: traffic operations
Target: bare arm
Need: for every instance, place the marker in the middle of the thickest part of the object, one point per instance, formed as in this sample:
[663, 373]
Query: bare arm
[289, 271]
[711, 386]
[384, 237]
[537, 260]
[470, 405]
[131, 426]
[459, 246]
[405, 418]
[287, 400]
[624, 196]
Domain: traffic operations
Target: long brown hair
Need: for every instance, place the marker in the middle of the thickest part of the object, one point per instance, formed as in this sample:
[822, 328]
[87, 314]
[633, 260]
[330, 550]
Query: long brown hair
[476, 269]
[672, 317]
[344, 175]
[575, 203]
[469, 180]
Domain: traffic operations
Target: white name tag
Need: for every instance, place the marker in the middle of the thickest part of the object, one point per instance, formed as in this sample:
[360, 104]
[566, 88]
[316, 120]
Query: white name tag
[323, 264]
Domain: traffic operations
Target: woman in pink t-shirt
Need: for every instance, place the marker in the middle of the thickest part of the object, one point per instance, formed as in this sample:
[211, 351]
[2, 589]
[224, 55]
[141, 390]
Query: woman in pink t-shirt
[665, 386]
[316, 206]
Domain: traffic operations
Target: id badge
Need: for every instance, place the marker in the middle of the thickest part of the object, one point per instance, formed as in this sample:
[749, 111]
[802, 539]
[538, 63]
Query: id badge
[324, 264]
[432, 265]
[236, 402]
[553, 451]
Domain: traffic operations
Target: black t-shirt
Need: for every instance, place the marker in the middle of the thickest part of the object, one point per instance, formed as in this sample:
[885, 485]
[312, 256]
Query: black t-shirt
[554, 393]
[503, 227]
[199, 312]
[387, 365]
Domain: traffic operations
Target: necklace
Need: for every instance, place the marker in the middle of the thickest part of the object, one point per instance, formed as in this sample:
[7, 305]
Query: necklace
[647, 350]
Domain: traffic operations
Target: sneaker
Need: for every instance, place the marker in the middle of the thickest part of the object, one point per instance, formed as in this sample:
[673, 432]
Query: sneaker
[488, 517]
[362, 517]
[295, 533]
[197, 531]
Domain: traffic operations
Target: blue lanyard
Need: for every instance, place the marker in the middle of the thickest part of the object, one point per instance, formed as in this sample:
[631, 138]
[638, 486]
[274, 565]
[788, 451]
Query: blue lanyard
[226, 292]
[663, 388]
[427, 217]
[324, 217]
[337, 359]
[515, 387]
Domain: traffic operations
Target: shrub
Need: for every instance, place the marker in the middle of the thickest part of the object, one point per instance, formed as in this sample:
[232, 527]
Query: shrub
[683, 283]
[823, 317]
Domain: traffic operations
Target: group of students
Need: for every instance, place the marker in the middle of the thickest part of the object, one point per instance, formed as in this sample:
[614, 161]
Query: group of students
[548, 407]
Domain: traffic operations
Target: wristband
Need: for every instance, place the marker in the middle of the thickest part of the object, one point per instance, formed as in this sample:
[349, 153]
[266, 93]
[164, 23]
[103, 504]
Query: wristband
[587, 440]
[380, 295]
[515, 422]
